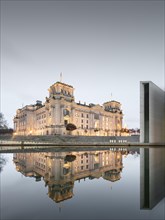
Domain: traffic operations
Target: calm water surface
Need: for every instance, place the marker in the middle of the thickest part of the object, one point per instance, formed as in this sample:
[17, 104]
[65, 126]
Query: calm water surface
[91, 184]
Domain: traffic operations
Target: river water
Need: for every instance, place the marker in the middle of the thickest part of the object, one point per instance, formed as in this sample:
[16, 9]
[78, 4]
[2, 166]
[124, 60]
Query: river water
[89, 184]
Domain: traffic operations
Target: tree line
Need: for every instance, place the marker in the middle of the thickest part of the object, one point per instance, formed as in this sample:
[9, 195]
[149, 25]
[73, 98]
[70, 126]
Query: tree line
[4, 129]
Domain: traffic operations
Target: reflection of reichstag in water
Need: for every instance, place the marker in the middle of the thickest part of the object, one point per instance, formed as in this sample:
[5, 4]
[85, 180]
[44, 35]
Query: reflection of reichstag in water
[60, 170]
[152, 177]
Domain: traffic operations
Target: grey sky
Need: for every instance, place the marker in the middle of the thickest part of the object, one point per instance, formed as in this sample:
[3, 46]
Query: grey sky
[102, 47]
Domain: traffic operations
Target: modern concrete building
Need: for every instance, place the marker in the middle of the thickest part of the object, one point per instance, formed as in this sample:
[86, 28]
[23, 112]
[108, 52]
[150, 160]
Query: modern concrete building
[152, 113]
[60, 109]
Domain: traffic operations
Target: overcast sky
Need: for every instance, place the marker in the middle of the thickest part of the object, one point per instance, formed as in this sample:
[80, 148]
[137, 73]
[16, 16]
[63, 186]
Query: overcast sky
[101, 47]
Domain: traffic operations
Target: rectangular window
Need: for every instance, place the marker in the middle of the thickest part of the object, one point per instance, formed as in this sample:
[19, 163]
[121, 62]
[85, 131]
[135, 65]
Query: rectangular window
[86, 166]
[87, 116]
[82, 121]
[82, 167]
[96, 116]
[82, 126]
[82, 115]
[65, 122]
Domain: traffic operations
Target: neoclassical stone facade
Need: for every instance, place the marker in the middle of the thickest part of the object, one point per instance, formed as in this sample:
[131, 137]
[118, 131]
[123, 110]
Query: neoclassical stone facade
[60, 109]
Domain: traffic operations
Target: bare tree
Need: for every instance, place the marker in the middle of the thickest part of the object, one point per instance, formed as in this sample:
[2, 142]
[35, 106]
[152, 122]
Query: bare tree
[2, 162]
[3, 122]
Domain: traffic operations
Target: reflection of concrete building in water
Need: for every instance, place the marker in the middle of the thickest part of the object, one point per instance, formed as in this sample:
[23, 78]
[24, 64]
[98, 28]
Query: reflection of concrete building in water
[152, 177]
[60, 171]
[60, 109]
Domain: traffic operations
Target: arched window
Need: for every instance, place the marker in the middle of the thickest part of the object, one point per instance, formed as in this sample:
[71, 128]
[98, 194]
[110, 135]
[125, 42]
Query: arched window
[66, 112]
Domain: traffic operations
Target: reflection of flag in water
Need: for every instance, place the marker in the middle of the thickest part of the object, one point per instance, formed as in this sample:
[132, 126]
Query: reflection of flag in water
[60, 207]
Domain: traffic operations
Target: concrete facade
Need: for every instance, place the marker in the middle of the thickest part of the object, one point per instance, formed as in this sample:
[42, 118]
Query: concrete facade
[152, 113]
[60, 109]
